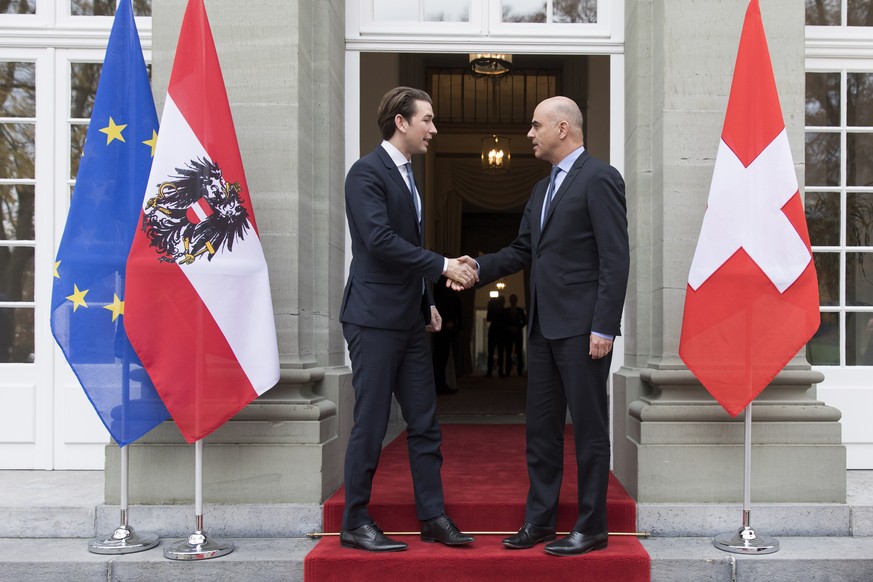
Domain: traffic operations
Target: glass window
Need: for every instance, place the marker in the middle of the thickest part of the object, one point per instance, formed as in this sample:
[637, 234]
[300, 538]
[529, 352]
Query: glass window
[822, 159]
[823, 218]
[574, 11]
[395, 10]
[17, 150]
[823, 99]
[17, 89]
[523, 10]
[18, 7]
[107, 7]
[83, 87]
[16, 212]
[859, 339]
[824, 347]
[827, 267]
[860, 13]
[16, 335]
[859, 98]
[447, 10]
[823, 12]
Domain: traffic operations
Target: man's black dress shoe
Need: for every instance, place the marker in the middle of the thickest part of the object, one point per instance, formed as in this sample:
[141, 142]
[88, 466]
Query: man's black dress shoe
[369, 537]
[441, 529]
[577, 543]
[528, 536]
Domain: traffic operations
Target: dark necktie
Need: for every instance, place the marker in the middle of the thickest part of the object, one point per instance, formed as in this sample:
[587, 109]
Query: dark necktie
[549, 194]
[415, 200]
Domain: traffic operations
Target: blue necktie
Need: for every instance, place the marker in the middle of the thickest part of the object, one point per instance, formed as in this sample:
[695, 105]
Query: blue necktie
[549, 194]
[415, 200]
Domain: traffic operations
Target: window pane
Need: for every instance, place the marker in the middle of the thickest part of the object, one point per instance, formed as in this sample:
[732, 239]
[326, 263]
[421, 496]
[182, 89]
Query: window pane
[107, 7]
[824, 347]
[574, 11]
[859, 219]
[17, 89]
[860, 13]
[859, 152]
[823, 218]
[16, 335]
[822, 159]
[16, 212]
[18, 7]
[859, 99]
[395, 10]
[16, 273]
[859, 278]
[447, 10]
[77, 147]
[83, 85]
[823, 99]
[859, 339]
[823, 12]
[523, 10]
[17, 150]
[827, 267]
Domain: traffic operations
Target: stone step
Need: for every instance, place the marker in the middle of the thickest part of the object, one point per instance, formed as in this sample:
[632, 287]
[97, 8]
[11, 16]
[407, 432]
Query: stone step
[837, 559]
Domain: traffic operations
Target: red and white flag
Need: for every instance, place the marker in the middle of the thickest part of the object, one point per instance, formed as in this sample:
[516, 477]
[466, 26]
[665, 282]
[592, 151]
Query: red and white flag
[752, 297]
[198, 309]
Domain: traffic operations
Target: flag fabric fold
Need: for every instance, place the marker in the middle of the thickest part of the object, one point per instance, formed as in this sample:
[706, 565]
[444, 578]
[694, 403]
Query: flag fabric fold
[752, 298]
[88, 299]
[199, 309]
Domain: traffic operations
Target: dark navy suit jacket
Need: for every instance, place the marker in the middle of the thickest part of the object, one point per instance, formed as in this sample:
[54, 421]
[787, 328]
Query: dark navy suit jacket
[384, 288]
[579, 259]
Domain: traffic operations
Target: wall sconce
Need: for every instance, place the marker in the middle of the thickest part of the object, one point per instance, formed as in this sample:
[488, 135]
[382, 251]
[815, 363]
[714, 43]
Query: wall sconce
[495, 154]
[490, 65]
[500, 286]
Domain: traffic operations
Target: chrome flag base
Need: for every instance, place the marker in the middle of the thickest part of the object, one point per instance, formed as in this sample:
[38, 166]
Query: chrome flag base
[123, 541]
[746, 541]
[198, 547]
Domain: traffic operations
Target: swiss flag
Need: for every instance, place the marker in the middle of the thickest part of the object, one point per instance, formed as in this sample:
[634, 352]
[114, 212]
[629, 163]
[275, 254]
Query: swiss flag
[199, 311]
[752, 298]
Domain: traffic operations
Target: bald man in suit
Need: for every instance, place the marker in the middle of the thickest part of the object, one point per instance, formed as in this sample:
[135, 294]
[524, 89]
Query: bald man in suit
[573, 237]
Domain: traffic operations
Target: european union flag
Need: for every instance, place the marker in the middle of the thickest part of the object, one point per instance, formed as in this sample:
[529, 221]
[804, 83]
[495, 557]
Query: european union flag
[87, 316]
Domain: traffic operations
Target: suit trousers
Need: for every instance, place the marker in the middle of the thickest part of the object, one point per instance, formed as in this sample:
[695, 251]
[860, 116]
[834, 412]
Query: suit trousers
[384, 363]
[562, 376]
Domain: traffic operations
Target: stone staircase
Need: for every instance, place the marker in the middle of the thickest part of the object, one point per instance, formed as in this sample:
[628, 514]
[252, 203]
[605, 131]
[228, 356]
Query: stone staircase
[47, 519]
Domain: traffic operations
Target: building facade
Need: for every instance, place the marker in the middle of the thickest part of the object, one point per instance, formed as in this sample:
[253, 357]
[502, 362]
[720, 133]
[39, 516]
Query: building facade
[303, 79]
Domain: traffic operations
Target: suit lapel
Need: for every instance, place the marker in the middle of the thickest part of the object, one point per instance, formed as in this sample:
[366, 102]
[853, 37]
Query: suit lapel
[565, 185]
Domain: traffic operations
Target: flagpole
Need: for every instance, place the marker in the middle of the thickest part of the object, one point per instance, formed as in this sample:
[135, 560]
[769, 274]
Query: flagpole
[198, 546]
[123, 540]
[745, 540]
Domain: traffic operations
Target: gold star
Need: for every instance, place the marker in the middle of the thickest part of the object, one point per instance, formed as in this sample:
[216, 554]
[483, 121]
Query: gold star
[78, 298]
[57, 264]
[116, 307]
[113, 131]
[152, 142]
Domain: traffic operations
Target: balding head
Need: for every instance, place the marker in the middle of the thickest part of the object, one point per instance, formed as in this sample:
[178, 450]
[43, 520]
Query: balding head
[556, 129]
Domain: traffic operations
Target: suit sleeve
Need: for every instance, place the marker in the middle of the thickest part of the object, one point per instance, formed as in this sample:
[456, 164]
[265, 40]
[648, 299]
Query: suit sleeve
[367, 204]
[608, 210]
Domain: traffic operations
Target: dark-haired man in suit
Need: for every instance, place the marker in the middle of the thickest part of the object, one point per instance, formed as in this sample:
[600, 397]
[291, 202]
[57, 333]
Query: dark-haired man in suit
[573, 237]
[385, 311]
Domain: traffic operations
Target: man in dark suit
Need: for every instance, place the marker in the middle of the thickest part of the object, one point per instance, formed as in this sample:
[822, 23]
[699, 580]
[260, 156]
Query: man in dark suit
[385, 311]
[573, 237]
[515, 343]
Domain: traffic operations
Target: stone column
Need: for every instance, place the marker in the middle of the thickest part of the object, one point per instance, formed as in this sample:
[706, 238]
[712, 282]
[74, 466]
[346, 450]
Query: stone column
[282, 62]
[673, 443]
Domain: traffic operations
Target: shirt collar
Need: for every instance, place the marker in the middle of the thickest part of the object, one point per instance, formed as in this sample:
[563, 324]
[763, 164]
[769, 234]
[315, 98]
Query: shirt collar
[571, 158]
[394, 153]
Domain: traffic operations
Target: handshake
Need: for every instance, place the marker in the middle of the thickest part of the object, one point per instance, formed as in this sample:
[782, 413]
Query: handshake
[462, 273]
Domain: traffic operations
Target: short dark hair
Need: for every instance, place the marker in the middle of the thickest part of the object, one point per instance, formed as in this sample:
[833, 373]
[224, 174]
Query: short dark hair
[399, 100]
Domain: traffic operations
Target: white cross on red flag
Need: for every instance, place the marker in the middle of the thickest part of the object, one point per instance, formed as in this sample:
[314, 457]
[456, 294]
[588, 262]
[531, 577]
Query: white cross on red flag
[752, 298]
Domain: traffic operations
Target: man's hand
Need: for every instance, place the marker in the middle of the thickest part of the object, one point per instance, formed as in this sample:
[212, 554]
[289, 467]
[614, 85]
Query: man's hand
[461, 273]
[599, 347]
[436, 322]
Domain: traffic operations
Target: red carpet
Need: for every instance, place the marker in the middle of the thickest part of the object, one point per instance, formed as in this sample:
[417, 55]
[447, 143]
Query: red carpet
[485, 482]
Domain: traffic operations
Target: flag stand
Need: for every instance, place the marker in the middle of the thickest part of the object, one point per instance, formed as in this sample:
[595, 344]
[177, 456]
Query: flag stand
[745, 540]
[123, 540]
[198, 546]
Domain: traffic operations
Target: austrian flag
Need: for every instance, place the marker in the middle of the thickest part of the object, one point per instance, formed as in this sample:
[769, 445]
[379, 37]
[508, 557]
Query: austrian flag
[752, 298]
[199, 311]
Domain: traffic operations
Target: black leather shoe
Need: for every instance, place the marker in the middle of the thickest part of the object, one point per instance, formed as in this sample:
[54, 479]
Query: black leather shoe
[528, 536]
[441, 529]
[578, 543]
[369, 537]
